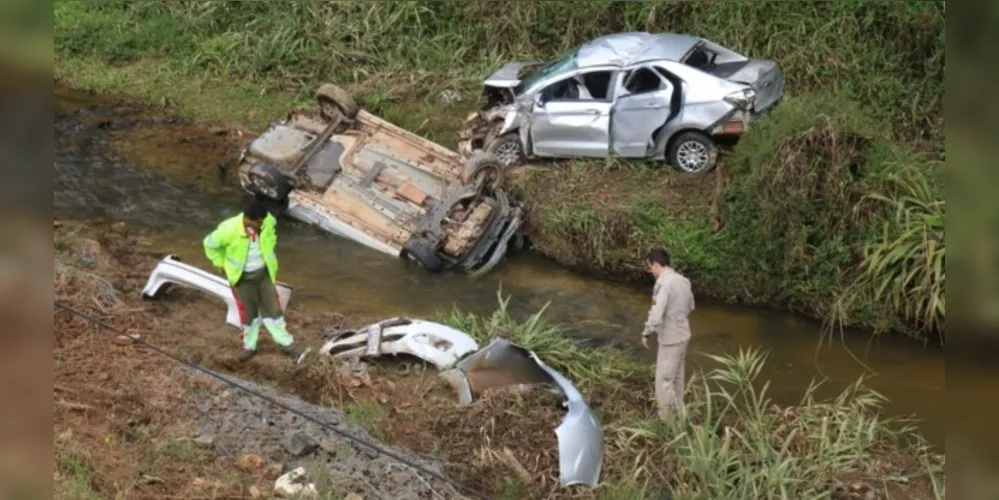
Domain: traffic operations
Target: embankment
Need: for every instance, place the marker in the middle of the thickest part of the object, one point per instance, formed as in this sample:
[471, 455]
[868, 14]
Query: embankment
[129, 422]
[833, 207]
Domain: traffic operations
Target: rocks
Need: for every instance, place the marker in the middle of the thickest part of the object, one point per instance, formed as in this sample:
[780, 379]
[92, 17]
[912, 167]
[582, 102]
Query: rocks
[301, 444]
[353, 496]
[250, 462]
[205, 440]
[243, 425]
[273, 471]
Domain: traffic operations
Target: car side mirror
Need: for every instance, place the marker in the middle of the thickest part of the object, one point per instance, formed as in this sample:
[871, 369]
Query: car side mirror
[539, 101]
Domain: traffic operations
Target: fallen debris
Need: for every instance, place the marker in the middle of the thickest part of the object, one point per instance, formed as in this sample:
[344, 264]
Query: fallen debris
[289, 485]
[503, 364]
[432, 342]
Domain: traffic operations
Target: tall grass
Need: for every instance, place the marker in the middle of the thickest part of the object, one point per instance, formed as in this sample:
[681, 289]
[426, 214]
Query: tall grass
[904, 267]
[731, 440]
[586, 366]
[889, 54]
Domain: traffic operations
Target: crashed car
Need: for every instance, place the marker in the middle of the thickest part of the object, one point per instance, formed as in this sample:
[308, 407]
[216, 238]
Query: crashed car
[662, 96]
[499, 364]
[360, 177]
[172, 271]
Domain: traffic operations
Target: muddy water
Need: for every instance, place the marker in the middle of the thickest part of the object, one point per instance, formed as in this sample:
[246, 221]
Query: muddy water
[176, 190]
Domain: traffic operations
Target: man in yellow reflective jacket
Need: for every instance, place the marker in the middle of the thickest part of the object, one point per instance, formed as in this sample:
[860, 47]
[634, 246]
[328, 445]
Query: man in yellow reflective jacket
[243, 248]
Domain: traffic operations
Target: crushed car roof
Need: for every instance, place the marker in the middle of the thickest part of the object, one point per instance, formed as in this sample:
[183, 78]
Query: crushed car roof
[623, 49]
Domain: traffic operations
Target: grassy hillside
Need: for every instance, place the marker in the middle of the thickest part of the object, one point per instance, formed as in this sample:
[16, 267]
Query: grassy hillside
[832, 207]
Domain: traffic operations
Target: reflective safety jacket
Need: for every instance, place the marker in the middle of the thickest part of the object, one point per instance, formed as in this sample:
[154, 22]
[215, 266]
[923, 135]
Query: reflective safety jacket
[228, 245]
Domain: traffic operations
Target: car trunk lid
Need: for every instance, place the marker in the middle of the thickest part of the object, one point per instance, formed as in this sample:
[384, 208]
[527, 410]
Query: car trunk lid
[765, 77]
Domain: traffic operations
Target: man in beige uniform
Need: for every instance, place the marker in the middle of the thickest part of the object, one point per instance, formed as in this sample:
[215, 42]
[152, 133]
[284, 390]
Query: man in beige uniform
[672, 302]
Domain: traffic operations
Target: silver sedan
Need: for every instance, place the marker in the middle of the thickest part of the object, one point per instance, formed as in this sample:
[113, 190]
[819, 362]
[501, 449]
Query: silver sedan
[660, 96]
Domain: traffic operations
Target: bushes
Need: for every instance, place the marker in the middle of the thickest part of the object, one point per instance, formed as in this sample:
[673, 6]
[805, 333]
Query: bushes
[800, 212]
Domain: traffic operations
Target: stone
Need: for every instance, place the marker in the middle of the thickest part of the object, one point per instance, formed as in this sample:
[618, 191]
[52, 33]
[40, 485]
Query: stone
[250, 462]
[205, 406]
[126, 339]
[273, 471]
[301, 444]
[353, 496]
[254, 492]
[205, 440]
[383, 398]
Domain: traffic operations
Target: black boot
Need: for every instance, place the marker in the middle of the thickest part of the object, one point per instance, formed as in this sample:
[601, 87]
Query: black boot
[247, 354]
[290, 351]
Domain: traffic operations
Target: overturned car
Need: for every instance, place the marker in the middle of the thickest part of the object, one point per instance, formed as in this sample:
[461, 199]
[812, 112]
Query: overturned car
[360, 177]
[662, 96]
[470, 371]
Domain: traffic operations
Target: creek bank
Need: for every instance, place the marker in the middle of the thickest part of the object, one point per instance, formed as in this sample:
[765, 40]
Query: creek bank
[136, 421]
[597, 220]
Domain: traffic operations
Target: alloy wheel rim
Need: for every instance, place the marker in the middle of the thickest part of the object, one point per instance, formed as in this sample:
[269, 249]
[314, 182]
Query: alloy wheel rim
[692, 156]
[508, 153]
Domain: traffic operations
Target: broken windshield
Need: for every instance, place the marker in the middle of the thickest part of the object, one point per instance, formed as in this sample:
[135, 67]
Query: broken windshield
[561, 65]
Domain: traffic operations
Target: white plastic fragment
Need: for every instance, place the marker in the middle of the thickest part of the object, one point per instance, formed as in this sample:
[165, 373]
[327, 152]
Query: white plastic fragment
[287, 486]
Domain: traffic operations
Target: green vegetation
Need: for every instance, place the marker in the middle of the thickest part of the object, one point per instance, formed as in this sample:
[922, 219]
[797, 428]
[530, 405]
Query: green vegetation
[732, 440]
[793, 220]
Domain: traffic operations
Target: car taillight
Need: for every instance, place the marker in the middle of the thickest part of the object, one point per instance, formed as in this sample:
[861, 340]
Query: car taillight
[742, 99]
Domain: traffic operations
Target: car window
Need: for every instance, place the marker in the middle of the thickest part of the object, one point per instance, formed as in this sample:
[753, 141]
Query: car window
[701, 58]
[643, 80]
[591, 86]
[552, 68]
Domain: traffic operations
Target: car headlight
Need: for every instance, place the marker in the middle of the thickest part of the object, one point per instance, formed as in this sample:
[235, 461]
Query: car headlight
[742, 99]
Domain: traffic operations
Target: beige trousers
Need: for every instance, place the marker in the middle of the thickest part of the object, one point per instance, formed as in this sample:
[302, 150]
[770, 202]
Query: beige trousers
[670, 377]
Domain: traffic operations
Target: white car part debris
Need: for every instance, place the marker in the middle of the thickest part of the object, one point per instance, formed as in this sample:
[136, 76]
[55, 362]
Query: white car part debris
[501, 364]
[287, 486]
[172, 270]
[435, 343]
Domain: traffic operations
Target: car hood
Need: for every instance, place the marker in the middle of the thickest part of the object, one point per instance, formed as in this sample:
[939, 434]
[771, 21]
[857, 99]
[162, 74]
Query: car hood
[509, 75]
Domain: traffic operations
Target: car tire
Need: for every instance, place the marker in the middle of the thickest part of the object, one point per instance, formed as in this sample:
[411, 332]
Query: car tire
[485, 168]
[333, 99]
[268, 182]
[424, 252]
[692, 153]
[508, 149]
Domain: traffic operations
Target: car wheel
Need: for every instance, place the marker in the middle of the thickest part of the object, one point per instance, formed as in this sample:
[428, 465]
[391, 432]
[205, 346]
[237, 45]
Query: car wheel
[508, 149]
[267, 181]
[484, 170]
[692, 153]
[424, 252]
[333, 99]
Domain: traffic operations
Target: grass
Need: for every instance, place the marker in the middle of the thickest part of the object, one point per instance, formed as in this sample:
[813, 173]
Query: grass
[777, 226]
[732, 440]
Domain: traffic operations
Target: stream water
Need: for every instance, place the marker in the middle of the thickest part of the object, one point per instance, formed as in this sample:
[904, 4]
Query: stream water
[332, 274]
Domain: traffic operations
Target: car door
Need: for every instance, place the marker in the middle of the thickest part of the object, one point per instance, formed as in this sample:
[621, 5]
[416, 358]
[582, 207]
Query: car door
[571, 117]
[642, 106]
